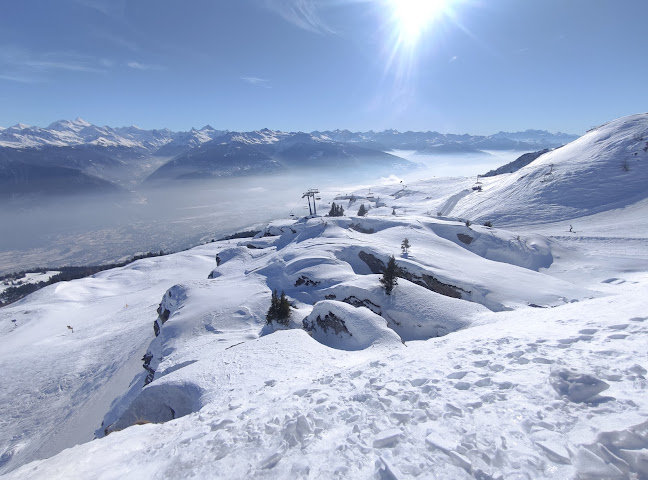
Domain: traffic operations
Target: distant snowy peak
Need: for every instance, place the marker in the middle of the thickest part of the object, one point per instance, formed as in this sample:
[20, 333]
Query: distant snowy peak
[67, 125]
[66, 133]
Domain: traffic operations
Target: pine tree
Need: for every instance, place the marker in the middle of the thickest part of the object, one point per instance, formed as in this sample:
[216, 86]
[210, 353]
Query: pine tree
[284, 309]
[390, 275]
[274, 308]
[336, 210]
[405, 245]
[362, 211]
[279, 310]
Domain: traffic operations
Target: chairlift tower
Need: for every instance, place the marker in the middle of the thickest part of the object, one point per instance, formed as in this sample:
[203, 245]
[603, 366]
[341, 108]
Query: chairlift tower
[311, 193]
[549, 175]
[478, 185]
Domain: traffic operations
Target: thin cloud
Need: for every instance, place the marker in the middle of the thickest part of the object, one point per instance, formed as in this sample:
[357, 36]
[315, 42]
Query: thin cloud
[144, 66]
[24, 66]
[301, 13]
[118, 41]
[453, 59]
[257, 81]
[72, 66]
[109, 8]
[17, 78]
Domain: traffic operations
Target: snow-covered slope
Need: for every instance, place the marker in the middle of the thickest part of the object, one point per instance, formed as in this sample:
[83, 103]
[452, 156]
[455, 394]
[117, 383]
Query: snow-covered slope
[548, 392]
[606, 168]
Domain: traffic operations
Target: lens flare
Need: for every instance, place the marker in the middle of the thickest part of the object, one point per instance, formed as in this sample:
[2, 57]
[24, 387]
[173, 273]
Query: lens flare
[413, 17]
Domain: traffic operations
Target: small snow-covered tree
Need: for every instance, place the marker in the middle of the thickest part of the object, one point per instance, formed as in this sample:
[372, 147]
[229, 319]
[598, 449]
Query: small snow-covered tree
[405, 245]
[362, 211]
[390, 275]
[279, 310]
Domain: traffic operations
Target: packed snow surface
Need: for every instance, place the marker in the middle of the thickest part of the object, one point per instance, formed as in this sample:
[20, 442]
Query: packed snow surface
[501, 353]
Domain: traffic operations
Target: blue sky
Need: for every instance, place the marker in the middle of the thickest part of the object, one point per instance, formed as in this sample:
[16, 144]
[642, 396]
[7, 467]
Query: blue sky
[473, 66]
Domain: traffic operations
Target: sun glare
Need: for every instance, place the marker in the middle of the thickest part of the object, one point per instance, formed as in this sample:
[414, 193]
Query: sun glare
[413, 17]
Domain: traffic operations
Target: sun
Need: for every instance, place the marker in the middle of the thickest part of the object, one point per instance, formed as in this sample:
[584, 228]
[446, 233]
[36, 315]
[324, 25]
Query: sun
[413, 17]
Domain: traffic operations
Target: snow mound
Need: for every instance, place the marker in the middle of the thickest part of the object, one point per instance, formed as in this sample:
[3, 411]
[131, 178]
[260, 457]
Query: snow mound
[159, 403]
[413, 312]
[531, 251]
[344, 327]
[606, 168]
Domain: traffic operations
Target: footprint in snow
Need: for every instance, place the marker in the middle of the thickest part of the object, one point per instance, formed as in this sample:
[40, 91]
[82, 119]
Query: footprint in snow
[618, 336]
[621, 326]
[516, 354]
[484, 382]
[588, 331]
[567, 342]
[542, 360]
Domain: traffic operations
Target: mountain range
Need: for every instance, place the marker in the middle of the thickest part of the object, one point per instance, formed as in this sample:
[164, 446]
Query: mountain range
[128, 156]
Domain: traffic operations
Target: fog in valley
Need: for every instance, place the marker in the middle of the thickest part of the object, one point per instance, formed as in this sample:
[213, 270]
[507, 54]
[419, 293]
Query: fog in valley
[93, 230]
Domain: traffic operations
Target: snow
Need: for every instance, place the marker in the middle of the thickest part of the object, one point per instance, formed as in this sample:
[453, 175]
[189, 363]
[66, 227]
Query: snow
[504, 353]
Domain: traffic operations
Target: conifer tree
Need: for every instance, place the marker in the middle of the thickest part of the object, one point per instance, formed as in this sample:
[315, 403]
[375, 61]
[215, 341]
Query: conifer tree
[274, 308]
[279, 310]
[390, 275]
[405, 245]
[336, 210]
[362, 211]
[284, 309]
